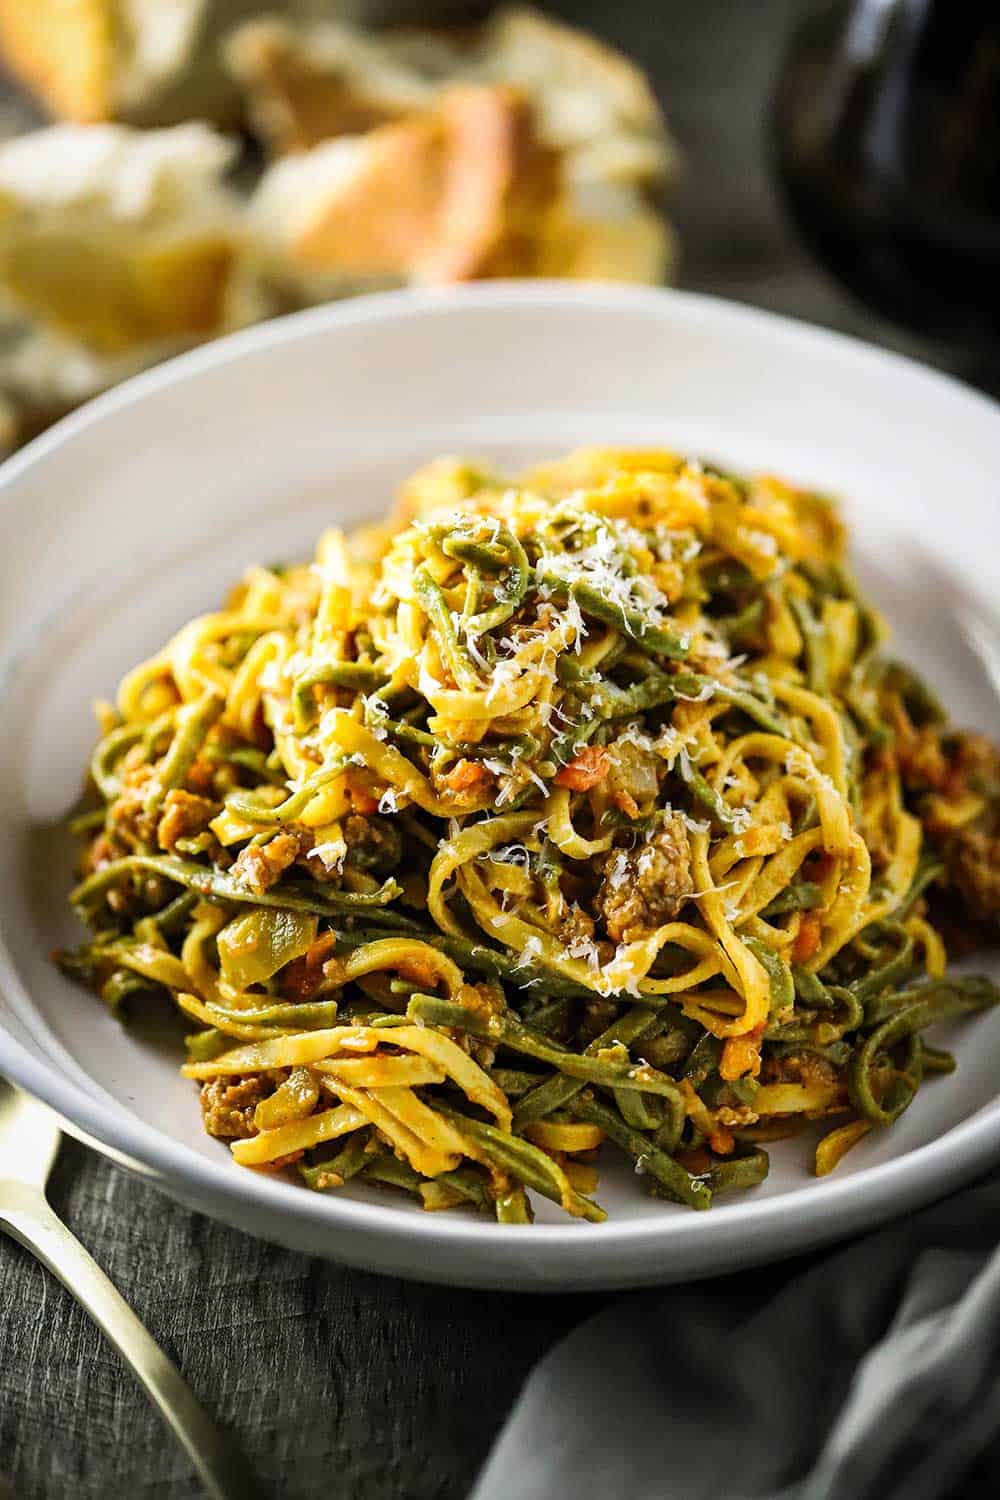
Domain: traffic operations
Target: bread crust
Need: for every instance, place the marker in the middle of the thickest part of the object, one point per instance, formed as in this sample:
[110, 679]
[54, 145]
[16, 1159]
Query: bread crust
[64, 52]
[455, 194]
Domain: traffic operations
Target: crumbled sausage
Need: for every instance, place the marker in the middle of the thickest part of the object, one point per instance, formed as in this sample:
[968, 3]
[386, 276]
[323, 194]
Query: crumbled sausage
[737, 1117]
[260, 866]
[128, 817]
[922, 763]
[647, 886]
[977, 761]
[807, 1068]
[972, 850]
[228, 1105]
[183, 814]
[974, 865]
[575, 926]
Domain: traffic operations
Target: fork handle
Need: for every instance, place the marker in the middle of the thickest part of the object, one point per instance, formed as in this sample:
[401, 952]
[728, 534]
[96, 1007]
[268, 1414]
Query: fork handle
[31, 1221]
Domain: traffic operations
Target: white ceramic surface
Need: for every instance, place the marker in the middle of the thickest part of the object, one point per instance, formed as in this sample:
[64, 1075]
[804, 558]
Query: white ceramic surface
[137, 512]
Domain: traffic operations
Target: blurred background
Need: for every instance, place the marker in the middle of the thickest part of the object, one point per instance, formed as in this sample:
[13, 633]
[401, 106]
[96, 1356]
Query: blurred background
[171, 170]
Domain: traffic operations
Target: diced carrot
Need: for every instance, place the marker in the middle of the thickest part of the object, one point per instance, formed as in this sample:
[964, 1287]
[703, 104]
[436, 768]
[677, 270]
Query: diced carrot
[467, 776]
[722, 1140]
[626, 803]
[741, 1056]
[585, 770]
[304, 975]
[361, 798]
[807, 942]
[418, 971]
[321, 949]
[200, 774]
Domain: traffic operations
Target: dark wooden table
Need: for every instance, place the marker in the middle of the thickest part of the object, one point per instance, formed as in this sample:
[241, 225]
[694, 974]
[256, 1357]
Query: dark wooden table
[341, 1384]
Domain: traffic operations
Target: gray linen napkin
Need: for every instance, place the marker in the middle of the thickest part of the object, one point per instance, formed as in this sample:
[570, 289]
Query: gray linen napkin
[872, 1375]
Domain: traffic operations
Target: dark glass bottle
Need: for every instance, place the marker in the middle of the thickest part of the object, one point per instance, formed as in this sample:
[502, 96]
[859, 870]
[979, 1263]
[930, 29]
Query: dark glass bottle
[887, 132]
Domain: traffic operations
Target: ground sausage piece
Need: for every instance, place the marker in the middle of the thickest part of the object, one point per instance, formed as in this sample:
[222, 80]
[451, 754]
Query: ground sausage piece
[183, 814]
[951, 763]
[575, 928]
[922, 763]
[972, 851]
[807, 1068]
[737, 1117]
[977, 761]
[645, 887]
[974, 865]
[227, 1105]
[128, 816]
[260, 865]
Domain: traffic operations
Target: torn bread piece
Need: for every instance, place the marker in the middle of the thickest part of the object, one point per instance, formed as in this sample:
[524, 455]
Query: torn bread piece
[634, 245]
[596, 207]
[464, 191]
[306, 83]
[587, 95]
[142, 62]
[456, 193]
[116, 238]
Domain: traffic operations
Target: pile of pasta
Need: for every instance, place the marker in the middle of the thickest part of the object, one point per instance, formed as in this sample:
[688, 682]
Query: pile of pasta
[555, 816]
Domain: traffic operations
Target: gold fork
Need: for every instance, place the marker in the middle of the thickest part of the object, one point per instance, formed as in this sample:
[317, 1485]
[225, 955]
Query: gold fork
[29, 1144]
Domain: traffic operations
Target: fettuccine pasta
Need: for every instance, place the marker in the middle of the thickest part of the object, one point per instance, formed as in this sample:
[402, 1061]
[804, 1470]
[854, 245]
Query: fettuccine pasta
[576, 813]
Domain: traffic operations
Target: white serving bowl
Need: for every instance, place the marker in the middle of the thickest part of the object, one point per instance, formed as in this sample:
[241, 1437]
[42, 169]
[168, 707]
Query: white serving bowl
[137, 512]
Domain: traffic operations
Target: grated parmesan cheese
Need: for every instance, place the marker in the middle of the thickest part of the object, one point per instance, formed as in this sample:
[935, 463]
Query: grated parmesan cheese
[330, 854]
[532, 949]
